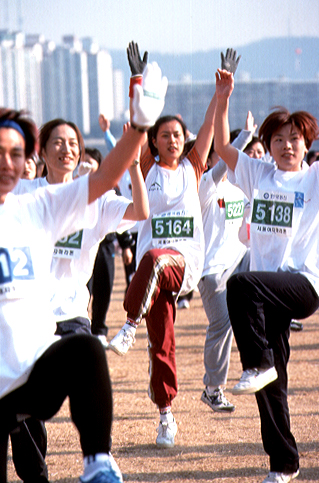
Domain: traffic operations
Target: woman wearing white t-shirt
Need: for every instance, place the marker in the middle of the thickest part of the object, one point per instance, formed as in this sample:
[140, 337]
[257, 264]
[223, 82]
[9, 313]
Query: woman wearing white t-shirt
[284, 280]
[170, 249]
[37, 369]
[61, 146]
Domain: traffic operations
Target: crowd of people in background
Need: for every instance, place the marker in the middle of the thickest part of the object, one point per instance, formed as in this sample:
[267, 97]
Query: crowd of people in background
[232, 214]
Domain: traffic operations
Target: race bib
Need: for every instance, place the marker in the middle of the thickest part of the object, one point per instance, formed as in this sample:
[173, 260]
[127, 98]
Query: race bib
[234, 212]
[15, 267]
[69, 246]
[171, 227]
[273, 213]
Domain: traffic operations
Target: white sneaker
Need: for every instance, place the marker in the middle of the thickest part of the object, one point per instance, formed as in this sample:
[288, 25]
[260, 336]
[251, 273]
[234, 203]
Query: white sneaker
[103, 472]
[274, 477]
[166, 434]
[252, 380]
[123, 340]
[103, 340]
[183, 304]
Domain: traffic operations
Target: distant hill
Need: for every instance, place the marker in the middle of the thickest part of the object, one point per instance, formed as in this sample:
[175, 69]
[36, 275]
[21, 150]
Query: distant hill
[293, 58]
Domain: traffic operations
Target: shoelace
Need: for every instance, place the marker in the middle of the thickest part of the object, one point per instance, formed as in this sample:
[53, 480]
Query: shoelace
[248, 373]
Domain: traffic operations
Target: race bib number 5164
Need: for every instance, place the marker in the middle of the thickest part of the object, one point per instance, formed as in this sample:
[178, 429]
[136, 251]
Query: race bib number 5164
[172, 227]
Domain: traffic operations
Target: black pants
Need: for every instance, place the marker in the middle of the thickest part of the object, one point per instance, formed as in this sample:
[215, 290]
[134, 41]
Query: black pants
[74, 367]
[29, 446]
[261, 306]
[100, 285]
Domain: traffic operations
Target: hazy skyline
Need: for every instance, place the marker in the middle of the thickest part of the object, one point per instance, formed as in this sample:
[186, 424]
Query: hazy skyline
[176, 26]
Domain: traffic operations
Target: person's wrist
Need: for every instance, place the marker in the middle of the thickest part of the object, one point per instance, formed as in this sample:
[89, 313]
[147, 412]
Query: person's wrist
[135, 79]
[135, 163]
[139, 128]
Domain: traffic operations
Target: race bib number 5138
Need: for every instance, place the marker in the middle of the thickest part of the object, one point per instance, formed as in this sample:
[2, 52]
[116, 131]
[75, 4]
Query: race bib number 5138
[273, 213]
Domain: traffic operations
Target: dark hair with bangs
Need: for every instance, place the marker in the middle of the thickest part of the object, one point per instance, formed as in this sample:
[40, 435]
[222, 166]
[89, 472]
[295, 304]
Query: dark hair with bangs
[152, 132]
[27, 125]
[303, 121]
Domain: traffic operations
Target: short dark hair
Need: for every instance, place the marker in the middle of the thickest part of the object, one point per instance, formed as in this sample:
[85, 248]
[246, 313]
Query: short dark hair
[28, 127]
[152, 132]
[95, 154]
[303, 121]
[254, 141]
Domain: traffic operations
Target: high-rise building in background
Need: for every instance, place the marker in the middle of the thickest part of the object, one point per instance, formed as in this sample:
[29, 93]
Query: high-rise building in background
[76, 81]
[73, 80]
[119, 93]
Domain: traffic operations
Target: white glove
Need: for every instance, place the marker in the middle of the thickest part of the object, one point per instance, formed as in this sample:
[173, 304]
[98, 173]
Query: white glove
[148, 99]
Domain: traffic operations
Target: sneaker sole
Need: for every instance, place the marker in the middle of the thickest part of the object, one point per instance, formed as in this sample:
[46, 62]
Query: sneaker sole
[292, 477]
[165, 445]
[216, 408]
[271, 376]
[296, 328]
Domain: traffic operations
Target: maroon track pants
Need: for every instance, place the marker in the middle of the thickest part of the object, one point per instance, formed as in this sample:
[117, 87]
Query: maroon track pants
[150, 296]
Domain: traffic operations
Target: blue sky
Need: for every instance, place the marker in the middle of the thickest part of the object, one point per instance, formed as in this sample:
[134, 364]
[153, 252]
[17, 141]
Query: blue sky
[180, 26]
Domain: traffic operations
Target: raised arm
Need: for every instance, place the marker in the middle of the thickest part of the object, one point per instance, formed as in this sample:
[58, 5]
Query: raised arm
[139, 209]
[108, 136]
[147, 104]
[224, 88]
[204, 139]
[206, 133]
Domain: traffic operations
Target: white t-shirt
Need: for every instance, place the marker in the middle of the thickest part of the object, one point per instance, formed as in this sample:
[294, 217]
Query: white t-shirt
[222, 208]
[175, 219]
[74, 256]
[31, 224]
[284, 232]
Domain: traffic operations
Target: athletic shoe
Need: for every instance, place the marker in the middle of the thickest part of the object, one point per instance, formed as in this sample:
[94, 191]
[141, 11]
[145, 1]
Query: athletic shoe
[166, 434]
[274, 477]
[296, 325]
[252, 380]
[183, 304]
[123, 340]
[217, 401]
[103, 340]
[108, 473]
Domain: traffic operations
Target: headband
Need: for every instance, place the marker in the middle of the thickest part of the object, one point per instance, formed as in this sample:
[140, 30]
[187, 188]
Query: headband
[12, 124]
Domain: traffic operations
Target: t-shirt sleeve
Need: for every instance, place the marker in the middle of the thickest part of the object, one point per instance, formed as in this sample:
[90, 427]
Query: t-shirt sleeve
[197, 164]
[112, 209]
[63, 208]
[247, 173]
[147, 161]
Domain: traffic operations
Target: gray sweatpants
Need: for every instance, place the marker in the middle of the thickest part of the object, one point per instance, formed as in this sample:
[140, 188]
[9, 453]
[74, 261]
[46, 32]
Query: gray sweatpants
[219, 333]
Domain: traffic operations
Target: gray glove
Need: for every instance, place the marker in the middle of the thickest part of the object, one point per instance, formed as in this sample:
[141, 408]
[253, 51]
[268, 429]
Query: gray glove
[137, 65]
[229, 62]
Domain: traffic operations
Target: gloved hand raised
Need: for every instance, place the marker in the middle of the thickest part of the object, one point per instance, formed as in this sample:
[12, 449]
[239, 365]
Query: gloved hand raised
[148, 100]
[137, 65]
[229, 62]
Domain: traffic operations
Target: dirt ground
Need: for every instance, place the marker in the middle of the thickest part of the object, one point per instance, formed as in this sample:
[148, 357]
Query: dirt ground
[209, 446]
